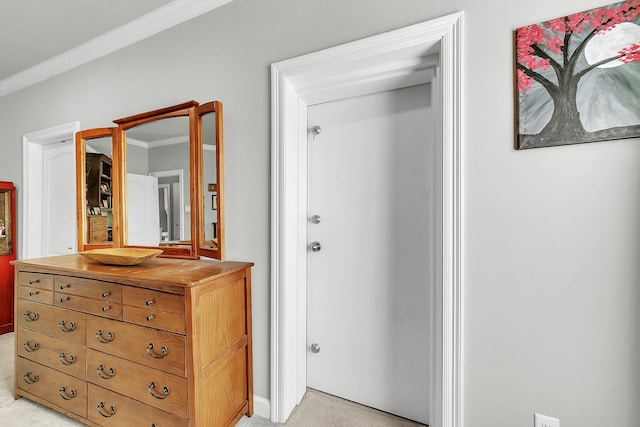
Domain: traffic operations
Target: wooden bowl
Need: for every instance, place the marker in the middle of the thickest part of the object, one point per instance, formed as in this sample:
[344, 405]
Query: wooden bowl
[121, 256]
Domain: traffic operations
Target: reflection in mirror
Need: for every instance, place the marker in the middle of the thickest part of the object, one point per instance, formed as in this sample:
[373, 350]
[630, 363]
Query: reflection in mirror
[171, 205]
[157, 181]
[211, 183]
[98, 191]
[6, 222]
[211, 239]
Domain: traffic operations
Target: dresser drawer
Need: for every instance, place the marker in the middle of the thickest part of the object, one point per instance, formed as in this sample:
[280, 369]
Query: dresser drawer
[88, 305]
[62, 390]
[94, 289]
[111, 409]
[158, 349]
[160, 301]
[154, 319]
[35, 280]
[58, 354]
[98, 236]
[164, 391]
[97, 223]
[35, 294]
[58, 322]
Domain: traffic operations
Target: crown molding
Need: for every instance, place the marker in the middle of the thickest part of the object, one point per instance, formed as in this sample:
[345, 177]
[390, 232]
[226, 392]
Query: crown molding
[167, 16]
[168, 141]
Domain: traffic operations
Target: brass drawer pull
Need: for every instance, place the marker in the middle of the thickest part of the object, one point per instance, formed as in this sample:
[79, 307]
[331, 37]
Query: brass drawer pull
[30, 378]
[105, 375]
[66, 396]
[64, 299]
[150, 317]
[67, 360]
[106, 294]
[31, 346]
[30, 316]
[63, 326]
[109, 338]
[33, 293]
[149, 302]
[101, 411]
[156, 355]
[34, 281]
[63, 287]
[105, 308]
[152, 391]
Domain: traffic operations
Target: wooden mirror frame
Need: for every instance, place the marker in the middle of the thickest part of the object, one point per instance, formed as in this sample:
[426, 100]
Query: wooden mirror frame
[182, 250]
[215, 108]
[81, 187]
[194, 111]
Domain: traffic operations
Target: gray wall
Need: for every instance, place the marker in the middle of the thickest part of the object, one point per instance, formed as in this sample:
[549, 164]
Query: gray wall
[551, 235]
[137, 160]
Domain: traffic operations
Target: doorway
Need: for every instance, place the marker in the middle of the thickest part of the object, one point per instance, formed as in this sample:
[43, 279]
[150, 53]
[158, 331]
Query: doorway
[391, 60]
[49, 202]
[171, 200]
[370, 175]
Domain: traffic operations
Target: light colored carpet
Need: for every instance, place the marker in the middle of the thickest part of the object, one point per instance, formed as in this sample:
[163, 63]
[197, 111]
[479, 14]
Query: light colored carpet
[319, 409]
[316, 409]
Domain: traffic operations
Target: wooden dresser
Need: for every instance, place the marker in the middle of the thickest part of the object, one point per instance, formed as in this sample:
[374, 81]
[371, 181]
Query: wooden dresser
[164, 343]
[97, 229]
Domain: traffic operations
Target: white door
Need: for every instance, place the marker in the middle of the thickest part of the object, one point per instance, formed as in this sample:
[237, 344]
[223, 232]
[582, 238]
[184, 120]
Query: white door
[370, 182]
[143, 226]
[59, 199]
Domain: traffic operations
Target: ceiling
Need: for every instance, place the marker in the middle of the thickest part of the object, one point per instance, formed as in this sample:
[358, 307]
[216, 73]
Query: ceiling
[42, 38]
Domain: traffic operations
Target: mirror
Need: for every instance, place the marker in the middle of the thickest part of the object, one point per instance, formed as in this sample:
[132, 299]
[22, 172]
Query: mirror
[160, 182]
[6, 220]
[96, 191]
[158, 176]
[158, 147]
[211, 238]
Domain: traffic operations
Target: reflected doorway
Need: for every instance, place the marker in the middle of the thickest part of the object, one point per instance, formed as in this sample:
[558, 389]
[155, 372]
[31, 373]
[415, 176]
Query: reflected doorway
[171, 205]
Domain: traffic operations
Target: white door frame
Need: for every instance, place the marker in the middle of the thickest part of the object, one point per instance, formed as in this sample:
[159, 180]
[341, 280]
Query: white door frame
[180, 174]
[32, 187]
[389, 61]
[165, 197]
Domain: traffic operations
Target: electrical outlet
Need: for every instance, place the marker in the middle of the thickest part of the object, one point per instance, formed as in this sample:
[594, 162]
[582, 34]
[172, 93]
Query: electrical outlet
[545, 421]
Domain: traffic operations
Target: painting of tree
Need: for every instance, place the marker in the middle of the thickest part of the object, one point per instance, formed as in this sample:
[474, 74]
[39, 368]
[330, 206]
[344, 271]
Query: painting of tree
[578, 77]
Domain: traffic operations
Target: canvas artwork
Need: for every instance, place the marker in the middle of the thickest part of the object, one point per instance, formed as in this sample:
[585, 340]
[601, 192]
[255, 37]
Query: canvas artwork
[578, 77]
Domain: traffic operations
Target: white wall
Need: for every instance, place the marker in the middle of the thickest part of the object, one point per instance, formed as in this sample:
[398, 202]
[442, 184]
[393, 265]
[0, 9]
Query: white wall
[551, 243]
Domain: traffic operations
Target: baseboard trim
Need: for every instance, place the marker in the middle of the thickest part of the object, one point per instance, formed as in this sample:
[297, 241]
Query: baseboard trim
[261, 407]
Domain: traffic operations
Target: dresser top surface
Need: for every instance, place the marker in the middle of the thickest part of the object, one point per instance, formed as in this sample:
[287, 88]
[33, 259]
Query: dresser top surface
[156, 271]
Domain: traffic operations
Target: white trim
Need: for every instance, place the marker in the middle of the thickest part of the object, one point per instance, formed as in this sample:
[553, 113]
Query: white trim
[329, 75]
[165, 17]
[169, 141]
[31, 195]
[174, 140]
[261, 406]
[137, 143]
